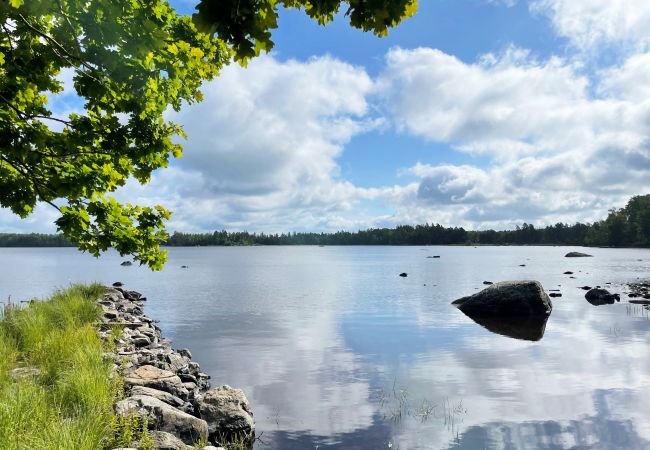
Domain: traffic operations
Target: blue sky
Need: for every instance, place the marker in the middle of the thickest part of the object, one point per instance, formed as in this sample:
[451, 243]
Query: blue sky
[477, 113]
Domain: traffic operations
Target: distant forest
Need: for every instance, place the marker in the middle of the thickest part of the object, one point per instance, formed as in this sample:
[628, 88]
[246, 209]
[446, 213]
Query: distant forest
[625, 227]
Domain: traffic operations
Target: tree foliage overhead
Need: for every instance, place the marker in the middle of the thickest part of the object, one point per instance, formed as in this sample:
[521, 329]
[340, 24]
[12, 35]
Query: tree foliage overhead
[246, 24]
[132, 60]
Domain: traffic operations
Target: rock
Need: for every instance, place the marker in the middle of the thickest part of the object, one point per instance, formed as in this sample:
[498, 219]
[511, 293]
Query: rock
[153, 377]
[185, 352]
[640, 302]
[599, 297]
[126, 263]
[555, 294]
[160, 395]
[488, 282]
[25, 372]
[118, 284]
[226, 410]
[166, 441]
[577, 255]
[507, 299]
[184, 267]
[568, 272]
[403, 274]
[212, 447]
[163, 417]
[585, 288]
[522, 265]
[434, 257]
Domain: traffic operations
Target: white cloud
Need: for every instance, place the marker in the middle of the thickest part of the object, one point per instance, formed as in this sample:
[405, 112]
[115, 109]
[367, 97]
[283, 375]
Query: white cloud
[588, 23]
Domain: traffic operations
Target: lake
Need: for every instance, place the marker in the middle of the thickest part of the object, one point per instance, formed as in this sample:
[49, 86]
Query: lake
[335, 350]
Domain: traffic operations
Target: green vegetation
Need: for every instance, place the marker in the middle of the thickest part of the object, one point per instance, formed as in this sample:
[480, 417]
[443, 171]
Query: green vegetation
[67, 402]
[130, 60]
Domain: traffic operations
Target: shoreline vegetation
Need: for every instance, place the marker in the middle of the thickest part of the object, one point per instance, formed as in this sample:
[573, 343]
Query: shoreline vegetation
[625, 227]
[86, 370]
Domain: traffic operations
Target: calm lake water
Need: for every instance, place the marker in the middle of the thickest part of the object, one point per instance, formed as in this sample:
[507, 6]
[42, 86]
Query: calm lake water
[335, 350]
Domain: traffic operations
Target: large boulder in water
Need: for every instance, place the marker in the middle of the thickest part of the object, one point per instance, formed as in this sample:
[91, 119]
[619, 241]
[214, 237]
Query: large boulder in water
[507, 299]
[599, 297]
[577, 255]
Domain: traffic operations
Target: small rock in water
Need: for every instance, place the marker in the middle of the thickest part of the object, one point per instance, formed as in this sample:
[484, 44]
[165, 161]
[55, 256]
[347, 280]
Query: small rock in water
[522, 265]
[555, 294]
[184, 267]
[599, 297]
[488, 282]
[126, 263]
[118, 284]
[577, 255]
[568, 272]
[585, 288]
[403, 274]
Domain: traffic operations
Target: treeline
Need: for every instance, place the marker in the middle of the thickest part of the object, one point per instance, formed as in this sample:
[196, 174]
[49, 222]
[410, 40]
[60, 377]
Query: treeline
[33, 240]
[625, 227]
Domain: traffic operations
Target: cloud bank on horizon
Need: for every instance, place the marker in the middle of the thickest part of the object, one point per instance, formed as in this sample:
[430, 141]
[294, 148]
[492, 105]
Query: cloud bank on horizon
[484, 140]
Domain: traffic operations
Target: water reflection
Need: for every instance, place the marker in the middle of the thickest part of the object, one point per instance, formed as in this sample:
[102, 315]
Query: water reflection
[314, 336]
[524, 328]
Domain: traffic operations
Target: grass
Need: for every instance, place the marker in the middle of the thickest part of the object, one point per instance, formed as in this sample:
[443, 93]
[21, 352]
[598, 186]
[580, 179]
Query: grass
[69, 404]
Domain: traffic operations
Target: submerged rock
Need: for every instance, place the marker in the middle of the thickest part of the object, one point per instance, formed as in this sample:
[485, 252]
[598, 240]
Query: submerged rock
[555, 294]
[577, 255]
[507, 299]
[226, 410]
[403, 274]
[488, 283]
[599, 297]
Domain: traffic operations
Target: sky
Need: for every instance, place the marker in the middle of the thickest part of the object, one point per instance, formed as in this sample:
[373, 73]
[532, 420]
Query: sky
[474, 113]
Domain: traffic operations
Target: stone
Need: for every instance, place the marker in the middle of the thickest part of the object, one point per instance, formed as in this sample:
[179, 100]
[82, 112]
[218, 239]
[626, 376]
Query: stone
[212, 447]
[25, 372]
[163, 417]
[126, 263]
[507, 299]
[599, 297]
[160, 395]
[166, 441]
[403, 274]
[555, 294]
[185, 352]
[568, 272]
[488, 283]
[153, 377]
[118, 284]
[226, 410]
[577, 255]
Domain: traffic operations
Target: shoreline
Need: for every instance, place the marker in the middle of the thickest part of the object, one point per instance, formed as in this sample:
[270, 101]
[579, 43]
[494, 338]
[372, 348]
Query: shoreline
[164, 387]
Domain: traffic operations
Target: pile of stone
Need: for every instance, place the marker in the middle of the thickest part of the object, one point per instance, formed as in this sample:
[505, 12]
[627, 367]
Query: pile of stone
[164, 386]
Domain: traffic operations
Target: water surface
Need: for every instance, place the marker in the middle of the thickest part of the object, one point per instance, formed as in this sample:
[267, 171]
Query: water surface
[335, 350]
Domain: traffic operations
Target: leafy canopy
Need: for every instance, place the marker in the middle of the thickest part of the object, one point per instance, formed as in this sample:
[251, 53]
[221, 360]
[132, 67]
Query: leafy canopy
[131, 60]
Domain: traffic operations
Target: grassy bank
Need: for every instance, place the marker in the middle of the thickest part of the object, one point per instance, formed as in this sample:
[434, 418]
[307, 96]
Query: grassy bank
[67, 402]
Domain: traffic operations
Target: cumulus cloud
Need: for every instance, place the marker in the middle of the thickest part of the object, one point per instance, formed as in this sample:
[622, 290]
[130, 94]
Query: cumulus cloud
[587, 23]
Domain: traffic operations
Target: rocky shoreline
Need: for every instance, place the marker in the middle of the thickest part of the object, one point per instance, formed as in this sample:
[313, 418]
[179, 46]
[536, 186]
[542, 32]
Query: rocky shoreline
[164, 386]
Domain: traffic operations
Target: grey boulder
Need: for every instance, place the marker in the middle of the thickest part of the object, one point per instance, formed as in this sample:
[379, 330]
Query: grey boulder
[163, 417]
[507, 299]
[226, 410]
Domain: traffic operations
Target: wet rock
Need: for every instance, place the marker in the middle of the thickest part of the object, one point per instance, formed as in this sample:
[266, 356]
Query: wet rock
[488, 282]
[118, 284]
[163, 417]
[153, 377]
[586, 288]
[568, 272]
[507, 299]
[599, 297]
[555, 294]
[403, 274]
[577, 255]
[226, 410]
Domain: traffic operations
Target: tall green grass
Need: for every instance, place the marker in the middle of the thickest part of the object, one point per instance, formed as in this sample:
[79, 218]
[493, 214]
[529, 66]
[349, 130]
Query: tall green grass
[69, 404]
